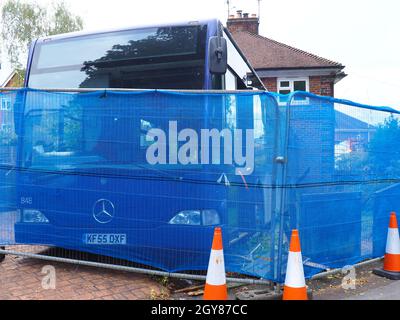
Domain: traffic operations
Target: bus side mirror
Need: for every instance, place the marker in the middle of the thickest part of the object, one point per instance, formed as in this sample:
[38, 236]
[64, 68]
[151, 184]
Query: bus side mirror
[218, 55]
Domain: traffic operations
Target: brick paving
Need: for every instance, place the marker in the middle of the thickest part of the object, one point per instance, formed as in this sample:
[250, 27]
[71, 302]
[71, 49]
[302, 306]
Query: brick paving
[21, 279]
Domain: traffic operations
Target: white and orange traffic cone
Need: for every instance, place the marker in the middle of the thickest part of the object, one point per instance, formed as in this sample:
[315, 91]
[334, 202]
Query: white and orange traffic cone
[295, 284]
[215, 288]
[391, 264]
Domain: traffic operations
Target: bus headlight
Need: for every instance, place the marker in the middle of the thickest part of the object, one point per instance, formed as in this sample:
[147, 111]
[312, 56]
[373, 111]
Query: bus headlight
[196, 218]
[33, 216]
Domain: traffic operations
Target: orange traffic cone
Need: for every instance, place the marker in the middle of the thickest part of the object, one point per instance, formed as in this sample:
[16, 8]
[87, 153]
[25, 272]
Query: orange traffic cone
[391, 265]
[295, 284]
[215, 288]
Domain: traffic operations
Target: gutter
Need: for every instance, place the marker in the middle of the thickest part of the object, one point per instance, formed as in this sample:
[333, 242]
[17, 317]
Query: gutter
[302, 72]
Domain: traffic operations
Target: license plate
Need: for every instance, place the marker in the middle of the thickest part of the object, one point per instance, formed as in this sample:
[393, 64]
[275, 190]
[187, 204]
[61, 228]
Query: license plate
[105, 239]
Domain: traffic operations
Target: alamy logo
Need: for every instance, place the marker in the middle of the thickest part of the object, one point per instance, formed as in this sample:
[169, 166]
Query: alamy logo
[191, 147]
[49, 279]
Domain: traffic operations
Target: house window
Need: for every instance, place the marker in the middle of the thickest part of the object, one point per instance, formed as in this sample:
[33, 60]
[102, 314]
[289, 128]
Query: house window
[5, 104]
[287, 86]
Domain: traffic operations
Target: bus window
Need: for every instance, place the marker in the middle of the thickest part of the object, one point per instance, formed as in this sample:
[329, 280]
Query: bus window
[150, 58]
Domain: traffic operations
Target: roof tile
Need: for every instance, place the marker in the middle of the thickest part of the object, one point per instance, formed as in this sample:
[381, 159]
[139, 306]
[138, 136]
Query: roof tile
[265, 53]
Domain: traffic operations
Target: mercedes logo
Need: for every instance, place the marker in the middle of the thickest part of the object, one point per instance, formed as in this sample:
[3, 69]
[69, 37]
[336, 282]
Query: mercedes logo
[103, 211]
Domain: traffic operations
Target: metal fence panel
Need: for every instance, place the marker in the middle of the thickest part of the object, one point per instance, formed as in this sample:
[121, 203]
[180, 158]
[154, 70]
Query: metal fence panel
[144, 177]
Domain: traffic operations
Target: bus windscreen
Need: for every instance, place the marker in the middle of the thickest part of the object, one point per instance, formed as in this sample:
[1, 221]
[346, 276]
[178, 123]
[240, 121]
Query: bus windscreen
[77, 132]
[150, 58]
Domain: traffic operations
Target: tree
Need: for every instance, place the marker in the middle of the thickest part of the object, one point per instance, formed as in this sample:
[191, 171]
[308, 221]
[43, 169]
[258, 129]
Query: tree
[23, 21]
[384, 149]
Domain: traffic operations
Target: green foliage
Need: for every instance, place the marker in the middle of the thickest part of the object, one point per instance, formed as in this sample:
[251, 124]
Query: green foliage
[354, 162]
[384, 148]
[64, 21]
[23, 21]
[382, 159]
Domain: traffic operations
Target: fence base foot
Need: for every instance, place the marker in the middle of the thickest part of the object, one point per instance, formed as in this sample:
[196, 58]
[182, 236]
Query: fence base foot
[387, 274]
[265, 294]
[2, 256]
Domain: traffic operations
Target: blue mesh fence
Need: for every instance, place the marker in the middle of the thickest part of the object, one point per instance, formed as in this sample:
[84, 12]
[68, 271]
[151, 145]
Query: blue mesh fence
[145, 177]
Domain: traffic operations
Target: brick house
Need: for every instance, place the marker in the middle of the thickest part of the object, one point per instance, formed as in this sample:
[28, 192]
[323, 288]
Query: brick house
[6, 114]
[316, 133]
[321, 130]
[14, 80]
[283, 68]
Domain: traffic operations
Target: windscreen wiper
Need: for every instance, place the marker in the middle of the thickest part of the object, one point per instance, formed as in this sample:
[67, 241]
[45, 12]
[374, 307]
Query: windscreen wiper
[102, 163]
[158, 170]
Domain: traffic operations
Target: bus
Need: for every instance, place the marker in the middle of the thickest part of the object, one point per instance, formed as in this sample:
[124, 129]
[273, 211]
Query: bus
[84, 183]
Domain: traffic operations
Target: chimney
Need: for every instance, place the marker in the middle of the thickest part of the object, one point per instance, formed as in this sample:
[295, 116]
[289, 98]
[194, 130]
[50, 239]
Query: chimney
[243, 22]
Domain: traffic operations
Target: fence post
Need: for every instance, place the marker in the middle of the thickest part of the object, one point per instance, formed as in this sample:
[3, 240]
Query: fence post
[283, 160]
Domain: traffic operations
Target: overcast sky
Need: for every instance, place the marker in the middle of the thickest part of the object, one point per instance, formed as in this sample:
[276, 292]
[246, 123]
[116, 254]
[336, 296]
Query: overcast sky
[364, 35]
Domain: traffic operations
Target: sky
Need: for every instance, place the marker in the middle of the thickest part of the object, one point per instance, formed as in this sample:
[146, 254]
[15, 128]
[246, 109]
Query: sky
[363, 35]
